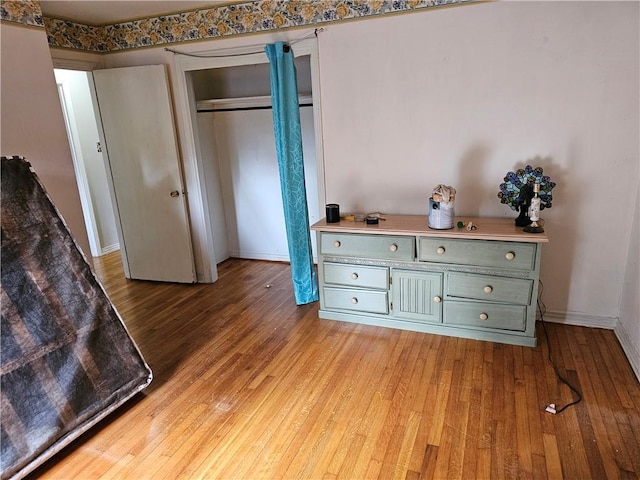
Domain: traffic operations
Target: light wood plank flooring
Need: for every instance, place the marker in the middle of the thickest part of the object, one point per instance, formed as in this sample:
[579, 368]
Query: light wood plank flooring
[250, 386]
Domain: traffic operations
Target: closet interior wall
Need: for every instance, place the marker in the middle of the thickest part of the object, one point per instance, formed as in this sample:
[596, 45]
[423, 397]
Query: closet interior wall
[235, 128]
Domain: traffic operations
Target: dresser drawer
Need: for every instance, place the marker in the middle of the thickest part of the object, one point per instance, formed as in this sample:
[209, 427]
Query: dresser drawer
[356, 275]
[478, 314]
[489, 288]
[357, 300]
[387, 247]
[486, 253]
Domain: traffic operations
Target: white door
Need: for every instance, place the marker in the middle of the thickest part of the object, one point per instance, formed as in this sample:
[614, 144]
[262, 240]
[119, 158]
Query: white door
[141, 147]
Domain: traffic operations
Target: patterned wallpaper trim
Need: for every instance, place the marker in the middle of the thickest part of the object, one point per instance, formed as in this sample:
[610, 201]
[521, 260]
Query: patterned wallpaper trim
[205, 24]
[24, 12]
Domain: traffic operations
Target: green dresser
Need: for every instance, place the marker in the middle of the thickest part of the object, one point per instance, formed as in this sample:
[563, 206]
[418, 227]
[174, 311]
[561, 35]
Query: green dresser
[480, 284]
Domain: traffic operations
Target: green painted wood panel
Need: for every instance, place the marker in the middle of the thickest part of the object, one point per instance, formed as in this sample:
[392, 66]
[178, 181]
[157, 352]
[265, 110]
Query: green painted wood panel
[378, 285]
[504, 317]
[489, 288]
[372, 301]
[417, 295]
[356, 275]
[486, 253]
[387, 247]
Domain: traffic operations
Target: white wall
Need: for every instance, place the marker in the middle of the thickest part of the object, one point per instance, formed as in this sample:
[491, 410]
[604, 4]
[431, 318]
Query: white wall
[32, 121]
[461, 96]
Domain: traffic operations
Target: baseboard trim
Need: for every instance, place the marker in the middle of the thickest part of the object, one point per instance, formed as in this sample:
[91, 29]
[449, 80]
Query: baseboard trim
[110, 248]
[630, 350]
[259, 256]
[581, 319]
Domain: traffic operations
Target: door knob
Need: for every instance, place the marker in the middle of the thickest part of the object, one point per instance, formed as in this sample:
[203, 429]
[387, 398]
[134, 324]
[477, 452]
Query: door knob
[175, 193]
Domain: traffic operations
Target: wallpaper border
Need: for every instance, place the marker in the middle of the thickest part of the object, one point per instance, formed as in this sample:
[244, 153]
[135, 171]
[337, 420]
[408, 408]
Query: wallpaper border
[24, 12]
[206, 24]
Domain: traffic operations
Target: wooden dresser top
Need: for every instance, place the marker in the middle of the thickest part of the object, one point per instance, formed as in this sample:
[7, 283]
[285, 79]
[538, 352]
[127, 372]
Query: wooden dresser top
[488, 228]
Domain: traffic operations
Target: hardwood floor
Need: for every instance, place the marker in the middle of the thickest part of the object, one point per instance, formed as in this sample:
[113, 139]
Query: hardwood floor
[250, 386]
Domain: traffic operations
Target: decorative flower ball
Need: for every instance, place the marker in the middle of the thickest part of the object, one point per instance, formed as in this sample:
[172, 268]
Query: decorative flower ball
[517, 185]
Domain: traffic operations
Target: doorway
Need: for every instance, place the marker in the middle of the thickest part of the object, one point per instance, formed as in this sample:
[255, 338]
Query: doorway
[75, 91]
[208, 202]
[139, 189]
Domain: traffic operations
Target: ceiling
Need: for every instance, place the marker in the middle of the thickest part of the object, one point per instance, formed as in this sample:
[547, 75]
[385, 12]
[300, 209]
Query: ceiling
[99, 12]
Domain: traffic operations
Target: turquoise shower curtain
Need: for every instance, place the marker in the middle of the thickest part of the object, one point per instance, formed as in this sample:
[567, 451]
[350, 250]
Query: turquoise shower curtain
[288, 135]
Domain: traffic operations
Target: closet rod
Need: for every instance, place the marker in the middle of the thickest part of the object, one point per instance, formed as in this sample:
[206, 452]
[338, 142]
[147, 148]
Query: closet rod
[238, 109]
[261, 102]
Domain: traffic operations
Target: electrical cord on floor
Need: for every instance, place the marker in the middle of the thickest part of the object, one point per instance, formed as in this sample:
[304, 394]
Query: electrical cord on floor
[552, 407]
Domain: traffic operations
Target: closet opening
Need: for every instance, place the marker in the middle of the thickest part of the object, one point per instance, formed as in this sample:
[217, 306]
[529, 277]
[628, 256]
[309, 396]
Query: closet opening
[238, 164]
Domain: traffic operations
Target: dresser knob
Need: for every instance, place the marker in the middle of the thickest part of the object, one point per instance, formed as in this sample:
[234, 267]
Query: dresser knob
[393, 247]
[354, 276]
[440, 250]
[488, 289]
[337, 243]
[354, 300]
[510, 256]
[437, 299]
[483, 316]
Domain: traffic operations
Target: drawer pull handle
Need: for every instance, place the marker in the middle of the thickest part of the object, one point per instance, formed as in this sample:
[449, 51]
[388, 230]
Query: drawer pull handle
[483, 316]
[440, 250]
[337, 244]
[510, 256]
[354, 276]
[488, 289]
[437, 299]
[354, 300]
[393, 247]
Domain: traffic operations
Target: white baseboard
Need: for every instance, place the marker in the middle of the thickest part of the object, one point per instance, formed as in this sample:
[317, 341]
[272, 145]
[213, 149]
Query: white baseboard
[630, 350]
[222, 257]
[609, 323]
[109, 249]
[581, 319]
[259, 256]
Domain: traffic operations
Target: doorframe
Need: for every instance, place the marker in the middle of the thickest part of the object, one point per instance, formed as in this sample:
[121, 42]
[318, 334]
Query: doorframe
[82, 182]
[80, 172]
[88, 67]
[193, 162]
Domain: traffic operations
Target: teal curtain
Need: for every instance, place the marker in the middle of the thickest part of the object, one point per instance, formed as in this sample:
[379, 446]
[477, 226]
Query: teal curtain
[288, 135]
